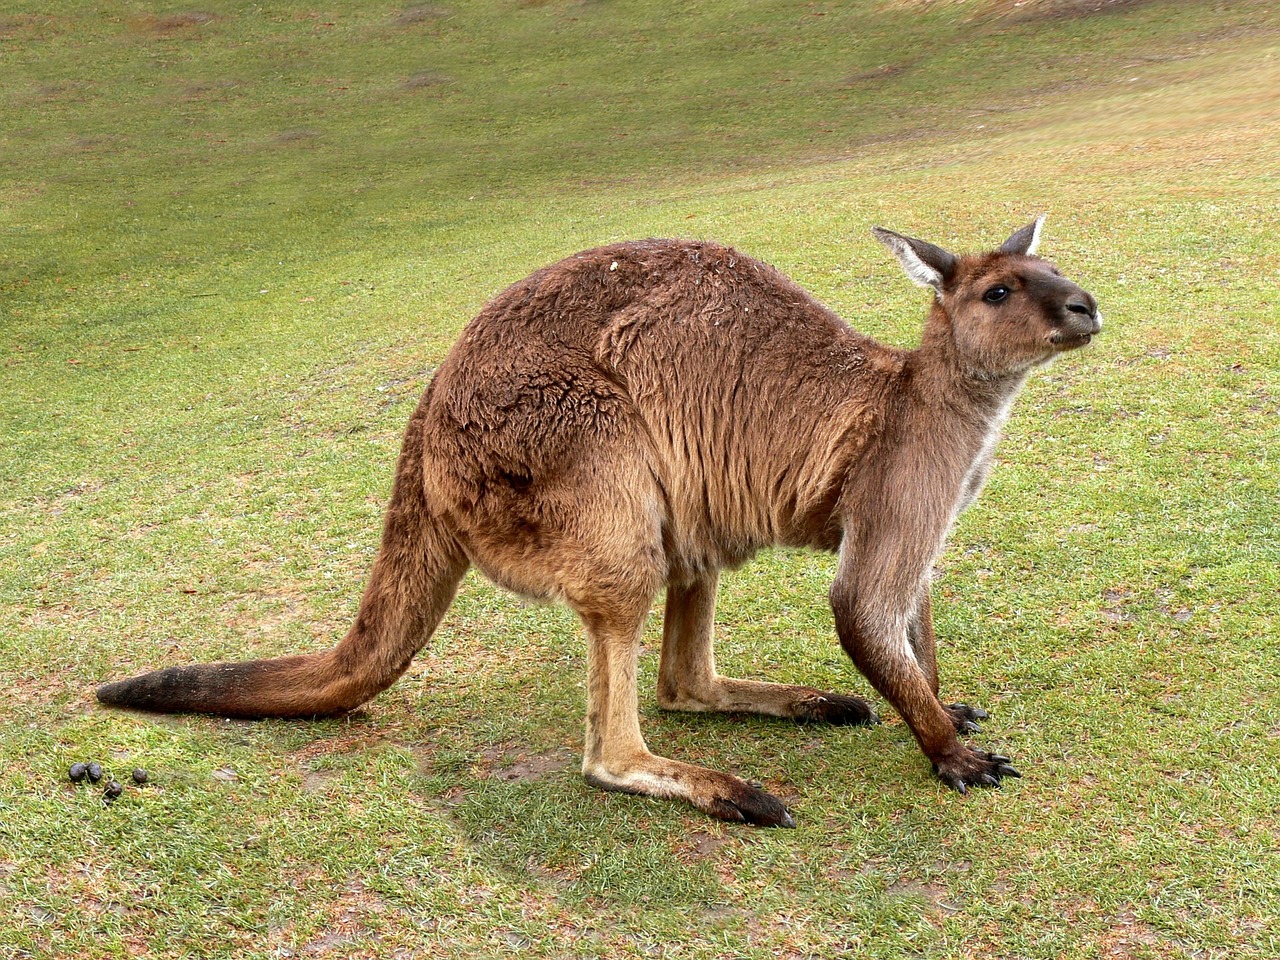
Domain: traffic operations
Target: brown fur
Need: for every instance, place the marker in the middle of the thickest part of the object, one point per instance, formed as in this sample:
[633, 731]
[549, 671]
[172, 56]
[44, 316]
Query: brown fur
[641, 416]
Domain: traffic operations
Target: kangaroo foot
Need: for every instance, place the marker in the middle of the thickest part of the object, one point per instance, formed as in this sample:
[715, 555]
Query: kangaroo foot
[835, 708]
[965, 717]
[740, 802]
[721, 795]
[804, 704]
[970, 767]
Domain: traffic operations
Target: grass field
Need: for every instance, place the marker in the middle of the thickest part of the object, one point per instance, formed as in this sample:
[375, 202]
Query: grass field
[234, 243]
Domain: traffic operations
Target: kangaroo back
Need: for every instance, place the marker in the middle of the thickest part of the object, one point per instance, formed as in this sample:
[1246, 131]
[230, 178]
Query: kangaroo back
[413, 581]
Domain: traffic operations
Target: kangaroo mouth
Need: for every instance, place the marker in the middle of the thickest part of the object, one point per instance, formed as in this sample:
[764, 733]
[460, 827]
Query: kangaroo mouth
[1070, 341]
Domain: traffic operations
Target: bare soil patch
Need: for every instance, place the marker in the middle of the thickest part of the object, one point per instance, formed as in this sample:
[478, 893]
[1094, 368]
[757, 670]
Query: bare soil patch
[421, 13]
[505, 761]
[425, 81]
[173, 23]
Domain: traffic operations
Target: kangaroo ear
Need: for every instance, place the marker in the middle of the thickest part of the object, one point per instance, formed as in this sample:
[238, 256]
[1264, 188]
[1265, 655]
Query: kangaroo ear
[926, 265]
[1025, 240]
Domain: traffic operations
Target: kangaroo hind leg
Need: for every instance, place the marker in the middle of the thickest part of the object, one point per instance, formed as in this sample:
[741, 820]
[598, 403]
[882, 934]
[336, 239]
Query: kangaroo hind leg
[687, 678]
[616, 756]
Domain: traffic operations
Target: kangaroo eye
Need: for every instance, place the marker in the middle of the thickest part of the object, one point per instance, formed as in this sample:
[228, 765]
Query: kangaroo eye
[996, 294]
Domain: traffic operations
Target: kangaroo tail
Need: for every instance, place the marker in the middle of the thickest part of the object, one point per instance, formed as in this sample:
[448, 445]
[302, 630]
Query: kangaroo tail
[413, 582]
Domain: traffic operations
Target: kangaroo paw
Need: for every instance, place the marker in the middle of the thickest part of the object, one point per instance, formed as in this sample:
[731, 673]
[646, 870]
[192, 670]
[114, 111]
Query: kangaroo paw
[970, 767]
[965, 717]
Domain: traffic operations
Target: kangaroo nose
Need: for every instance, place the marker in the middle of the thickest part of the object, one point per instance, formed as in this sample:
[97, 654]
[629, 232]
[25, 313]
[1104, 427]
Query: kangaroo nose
[1087, 308]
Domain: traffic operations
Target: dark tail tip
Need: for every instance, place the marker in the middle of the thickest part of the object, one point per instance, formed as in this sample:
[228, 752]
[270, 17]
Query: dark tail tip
[173, 690]
[114, 694]
[287, 687]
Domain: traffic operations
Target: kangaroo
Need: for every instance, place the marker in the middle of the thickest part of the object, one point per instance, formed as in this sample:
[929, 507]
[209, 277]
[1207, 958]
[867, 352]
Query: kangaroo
[644, 415]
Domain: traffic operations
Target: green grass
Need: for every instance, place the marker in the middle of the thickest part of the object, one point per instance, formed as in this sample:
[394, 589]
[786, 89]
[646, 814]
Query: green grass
[237, 239]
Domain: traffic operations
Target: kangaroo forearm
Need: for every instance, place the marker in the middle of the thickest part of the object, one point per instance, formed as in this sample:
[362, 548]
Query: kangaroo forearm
[880, 649]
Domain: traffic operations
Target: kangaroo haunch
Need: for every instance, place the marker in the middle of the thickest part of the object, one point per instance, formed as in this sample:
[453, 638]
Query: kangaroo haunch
[641, 416]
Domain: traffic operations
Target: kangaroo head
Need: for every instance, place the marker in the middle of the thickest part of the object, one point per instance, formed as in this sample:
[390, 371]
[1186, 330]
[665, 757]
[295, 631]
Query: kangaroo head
[1002, 312]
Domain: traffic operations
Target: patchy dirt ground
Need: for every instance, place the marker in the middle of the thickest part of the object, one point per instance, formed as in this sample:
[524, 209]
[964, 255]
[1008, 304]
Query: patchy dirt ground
[1025, 9]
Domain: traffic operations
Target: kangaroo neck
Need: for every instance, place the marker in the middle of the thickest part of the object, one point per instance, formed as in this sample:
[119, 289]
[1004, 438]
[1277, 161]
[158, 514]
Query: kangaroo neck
[952, 390]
